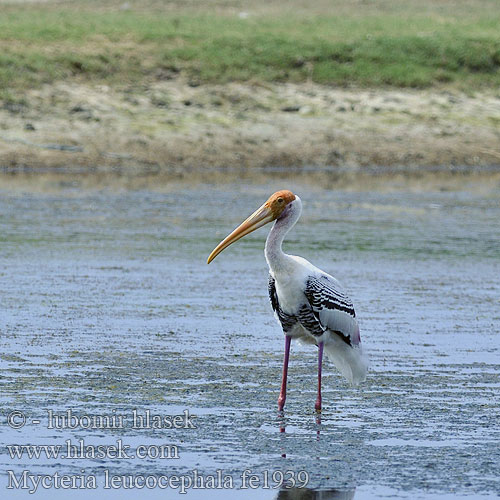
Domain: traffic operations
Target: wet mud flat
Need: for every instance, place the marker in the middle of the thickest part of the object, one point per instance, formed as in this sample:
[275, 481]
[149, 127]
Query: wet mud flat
[108, 306]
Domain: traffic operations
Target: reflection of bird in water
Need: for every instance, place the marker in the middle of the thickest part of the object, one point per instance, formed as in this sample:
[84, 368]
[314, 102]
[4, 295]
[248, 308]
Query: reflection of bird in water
[310, 304]
[307, 494]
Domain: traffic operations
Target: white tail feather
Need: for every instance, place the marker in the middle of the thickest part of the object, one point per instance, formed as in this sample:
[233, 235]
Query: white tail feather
[350, 361]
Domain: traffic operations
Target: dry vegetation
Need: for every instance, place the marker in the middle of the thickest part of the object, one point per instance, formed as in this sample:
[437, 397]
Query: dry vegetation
[181, 88]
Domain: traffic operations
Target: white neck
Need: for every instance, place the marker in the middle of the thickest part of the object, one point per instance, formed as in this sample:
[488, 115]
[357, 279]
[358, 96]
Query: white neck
[277, 260]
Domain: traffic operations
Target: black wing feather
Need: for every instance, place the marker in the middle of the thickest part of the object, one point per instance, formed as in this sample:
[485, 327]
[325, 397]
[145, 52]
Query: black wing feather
[287, 320]
[322, 293]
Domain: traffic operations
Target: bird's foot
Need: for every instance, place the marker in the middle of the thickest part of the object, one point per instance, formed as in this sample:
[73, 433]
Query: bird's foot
[281, 403]
[317, 406]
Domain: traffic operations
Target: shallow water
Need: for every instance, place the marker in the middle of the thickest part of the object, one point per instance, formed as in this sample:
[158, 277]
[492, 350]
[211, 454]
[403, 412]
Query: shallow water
[107, 305]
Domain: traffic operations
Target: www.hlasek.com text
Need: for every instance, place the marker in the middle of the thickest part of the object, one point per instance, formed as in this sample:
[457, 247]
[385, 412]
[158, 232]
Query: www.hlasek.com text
[78, 450]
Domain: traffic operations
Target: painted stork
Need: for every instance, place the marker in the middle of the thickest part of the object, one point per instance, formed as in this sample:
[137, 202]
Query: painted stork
[310, 304]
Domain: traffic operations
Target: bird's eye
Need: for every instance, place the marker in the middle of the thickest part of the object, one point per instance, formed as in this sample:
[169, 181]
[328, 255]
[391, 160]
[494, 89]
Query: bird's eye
[280, 200]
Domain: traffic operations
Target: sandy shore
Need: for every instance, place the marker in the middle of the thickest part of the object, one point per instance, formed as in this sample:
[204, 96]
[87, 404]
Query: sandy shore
[176, 129]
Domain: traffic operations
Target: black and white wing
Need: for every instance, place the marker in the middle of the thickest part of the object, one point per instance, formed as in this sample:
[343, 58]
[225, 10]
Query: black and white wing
[287, 321]
[330, 308]
[326, 308]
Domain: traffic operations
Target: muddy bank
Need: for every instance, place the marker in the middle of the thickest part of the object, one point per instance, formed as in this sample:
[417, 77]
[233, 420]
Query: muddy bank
[175, 129]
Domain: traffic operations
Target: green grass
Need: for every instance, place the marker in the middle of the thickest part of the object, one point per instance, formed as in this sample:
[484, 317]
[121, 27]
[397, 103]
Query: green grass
[400, 45]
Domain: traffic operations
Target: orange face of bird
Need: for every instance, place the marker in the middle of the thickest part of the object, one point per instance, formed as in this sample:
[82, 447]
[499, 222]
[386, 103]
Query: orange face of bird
[268, 212]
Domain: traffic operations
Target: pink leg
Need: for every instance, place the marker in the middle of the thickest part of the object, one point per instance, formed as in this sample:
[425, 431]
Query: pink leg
[282, 397]
[320, 362]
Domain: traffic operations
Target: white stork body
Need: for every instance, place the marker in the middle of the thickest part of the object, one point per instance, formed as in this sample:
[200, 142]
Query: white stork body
[344, 349]
[310, 304]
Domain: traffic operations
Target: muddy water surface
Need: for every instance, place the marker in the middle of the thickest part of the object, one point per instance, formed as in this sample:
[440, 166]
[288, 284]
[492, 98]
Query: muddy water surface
[107, 306]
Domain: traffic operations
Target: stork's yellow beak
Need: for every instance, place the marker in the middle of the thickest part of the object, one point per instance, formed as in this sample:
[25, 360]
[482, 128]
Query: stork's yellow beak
[259, 218]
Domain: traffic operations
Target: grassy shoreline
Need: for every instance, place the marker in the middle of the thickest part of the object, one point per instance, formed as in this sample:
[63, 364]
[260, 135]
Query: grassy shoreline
[193, 85]
[365, 44]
